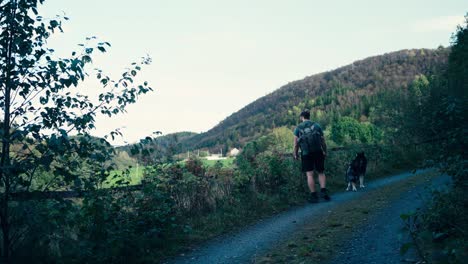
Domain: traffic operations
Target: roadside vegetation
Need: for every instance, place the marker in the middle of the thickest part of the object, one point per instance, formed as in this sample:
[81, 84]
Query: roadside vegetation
[440, 230]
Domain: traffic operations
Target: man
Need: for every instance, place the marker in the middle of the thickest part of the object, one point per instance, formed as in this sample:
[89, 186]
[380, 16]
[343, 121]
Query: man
[308, 136]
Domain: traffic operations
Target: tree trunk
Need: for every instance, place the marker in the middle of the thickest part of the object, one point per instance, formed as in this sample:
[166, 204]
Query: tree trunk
[5, 162]
[5, 176]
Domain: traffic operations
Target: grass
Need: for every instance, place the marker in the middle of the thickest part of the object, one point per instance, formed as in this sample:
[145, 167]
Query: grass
[234, 214]
[240, 211]
[134, 176]
[230, 217]
[318, 241]
[226, 220]
[228, 162]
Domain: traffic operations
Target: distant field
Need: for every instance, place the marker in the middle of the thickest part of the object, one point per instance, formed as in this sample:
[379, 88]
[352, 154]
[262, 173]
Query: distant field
[134, 177]
[136, 173]
[225, 162]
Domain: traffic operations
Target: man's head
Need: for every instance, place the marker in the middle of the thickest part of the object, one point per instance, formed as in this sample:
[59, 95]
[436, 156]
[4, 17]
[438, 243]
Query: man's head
[305, 115]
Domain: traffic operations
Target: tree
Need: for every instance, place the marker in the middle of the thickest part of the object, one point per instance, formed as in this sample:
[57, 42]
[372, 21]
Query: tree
[444, 125]
[449, 101]
[282, 139]
[349, 130]
[458, 65]
[46, 121]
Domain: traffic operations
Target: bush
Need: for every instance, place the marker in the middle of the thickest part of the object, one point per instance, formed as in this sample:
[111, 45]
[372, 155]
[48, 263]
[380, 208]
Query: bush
[439, 230]
[126, 227]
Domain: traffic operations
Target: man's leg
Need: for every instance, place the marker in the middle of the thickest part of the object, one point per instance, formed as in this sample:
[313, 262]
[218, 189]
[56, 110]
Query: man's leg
[322, 180]
[311, 183]
[323, 186]
[319, 164]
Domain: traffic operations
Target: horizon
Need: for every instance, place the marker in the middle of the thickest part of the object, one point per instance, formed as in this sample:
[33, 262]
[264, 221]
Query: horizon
[206, 54]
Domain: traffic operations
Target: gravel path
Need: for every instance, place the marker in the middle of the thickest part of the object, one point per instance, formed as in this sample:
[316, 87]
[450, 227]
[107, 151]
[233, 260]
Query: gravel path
[381, 239]
[243, 246]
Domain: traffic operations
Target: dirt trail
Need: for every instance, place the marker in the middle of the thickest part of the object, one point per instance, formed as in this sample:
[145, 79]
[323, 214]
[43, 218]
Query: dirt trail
[243, 246]
[380, 240]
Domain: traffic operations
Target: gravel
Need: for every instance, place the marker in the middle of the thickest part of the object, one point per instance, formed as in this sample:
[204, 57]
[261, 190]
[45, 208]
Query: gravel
[381, 239]
[245, 245]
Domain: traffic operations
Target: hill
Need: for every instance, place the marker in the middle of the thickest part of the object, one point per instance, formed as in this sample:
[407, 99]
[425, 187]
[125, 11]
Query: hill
[163, 147]
[346, 91]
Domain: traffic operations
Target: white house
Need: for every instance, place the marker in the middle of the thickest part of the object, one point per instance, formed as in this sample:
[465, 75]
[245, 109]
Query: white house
[234, 152]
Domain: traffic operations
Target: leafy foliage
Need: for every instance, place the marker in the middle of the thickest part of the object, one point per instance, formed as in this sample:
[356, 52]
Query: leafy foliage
[348, 130]
[441, 228]
[46, 120]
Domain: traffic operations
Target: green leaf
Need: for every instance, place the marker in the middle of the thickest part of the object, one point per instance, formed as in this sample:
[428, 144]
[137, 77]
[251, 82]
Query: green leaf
[405, 247]
[54, 23]
[86, 59]
[405, 217]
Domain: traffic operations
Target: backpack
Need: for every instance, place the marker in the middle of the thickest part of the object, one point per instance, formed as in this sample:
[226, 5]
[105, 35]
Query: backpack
[310, 139]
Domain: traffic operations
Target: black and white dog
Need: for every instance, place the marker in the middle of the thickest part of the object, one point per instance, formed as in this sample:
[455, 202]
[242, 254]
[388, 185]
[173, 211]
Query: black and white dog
[356, 171]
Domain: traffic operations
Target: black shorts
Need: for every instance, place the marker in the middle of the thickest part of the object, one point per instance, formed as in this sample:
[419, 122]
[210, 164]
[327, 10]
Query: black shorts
[313, 161]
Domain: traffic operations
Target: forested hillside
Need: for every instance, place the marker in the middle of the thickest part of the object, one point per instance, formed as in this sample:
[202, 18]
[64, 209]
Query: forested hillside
[346, 91]
[159, 149]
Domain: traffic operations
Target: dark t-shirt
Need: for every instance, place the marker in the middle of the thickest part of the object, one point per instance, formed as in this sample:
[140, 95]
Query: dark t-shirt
[301, 126]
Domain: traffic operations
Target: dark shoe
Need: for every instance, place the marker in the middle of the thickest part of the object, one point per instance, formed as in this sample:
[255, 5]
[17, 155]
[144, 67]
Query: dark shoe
[324, 194]
[313, 198]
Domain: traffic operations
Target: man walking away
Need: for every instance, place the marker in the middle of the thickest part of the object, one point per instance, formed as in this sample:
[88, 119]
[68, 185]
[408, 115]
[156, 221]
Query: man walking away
[308, 136]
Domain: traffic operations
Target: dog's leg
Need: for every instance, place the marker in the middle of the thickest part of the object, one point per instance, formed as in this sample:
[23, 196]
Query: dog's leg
[361, 181]
[354, 187]
[349, 186]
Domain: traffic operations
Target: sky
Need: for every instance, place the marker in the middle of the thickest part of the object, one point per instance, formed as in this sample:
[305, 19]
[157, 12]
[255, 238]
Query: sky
[210, 58]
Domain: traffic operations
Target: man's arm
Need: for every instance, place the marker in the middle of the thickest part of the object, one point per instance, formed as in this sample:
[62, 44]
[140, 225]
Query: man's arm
[296, 147]
[324, 145]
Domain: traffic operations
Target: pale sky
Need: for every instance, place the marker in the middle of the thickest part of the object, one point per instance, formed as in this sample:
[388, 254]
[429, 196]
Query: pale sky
[213, 57]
